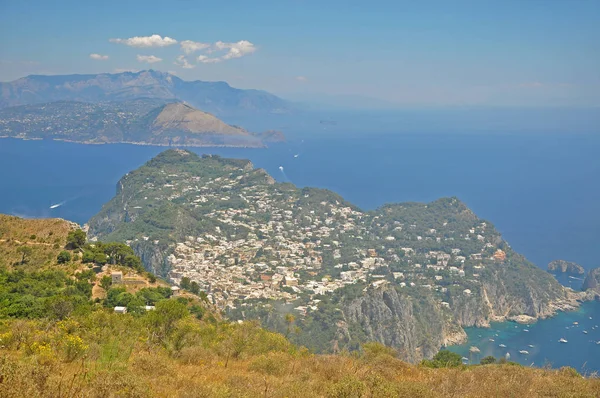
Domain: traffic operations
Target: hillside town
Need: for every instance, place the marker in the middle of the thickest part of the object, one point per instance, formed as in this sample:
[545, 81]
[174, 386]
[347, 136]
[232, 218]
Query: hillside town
[263, 240]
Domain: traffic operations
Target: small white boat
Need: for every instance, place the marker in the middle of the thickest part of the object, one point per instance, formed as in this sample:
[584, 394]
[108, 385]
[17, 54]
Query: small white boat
[585, 331]
[524, 352]
[575, 323]
[530, 346]
[502, 345]
[526, 330]
[598, 342]
[563, 340]
[492, 340]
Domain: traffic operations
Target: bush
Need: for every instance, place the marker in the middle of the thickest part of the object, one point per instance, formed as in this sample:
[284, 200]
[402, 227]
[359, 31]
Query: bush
[76, 239]
[63, 257]
[374, 349]
[443, 359]
[488, 360]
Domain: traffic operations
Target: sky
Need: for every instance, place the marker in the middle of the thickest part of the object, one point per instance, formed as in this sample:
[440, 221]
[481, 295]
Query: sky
[526, 53]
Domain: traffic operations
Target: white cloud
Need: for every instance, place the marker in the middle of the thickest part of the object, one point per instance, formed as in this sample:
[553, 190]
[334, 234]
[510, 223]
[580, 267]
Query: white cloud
[235, 50]
[146, 41]
[208, 60]
[221, 51]
[302, 78]
[99, 57]
[148, 58]
[181, 61]
[189, 46]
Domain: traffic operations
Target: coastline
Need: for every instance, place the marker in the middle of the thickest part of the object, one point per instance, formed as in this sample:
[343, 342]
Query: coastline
[571, 304]
[140, 143]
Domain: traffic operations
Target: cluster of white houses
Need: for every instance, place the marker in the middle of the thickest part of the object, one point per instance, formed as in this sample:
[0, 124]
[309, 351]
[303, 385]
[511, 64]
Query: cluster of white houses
[278, 245]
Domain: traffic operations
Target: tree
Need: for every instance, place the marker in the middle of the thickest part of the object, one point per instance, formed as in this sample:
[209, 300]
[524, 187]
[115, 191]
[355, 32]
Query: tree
[100, 258]
[162, 320]
[25, 252]
[443, 359]
[63, 257]
[289, 320]
[488, 360]
[194, 287]
[133, 261]
[105, 282]
[151, 277]
[88, 257]
[185, 283]
[76, 239]
[447, 359]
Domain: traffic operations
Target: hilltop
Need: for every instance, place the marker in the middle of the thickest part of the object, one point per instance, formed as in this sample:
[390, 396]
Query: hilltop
[43, 238]
[409, 275]
[215, 97]
[140, 121]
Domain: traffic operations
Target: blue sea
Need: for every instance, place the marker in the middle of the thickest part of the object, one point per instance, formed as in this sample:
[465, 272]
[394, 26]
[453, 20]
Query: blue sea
[540, 190]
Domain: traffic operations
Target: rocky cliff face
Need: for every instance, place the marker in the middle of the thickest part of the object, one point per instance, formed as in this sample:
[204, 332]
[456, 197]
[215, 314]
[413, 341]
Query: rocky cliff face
[565, 267]
[415, 329]
[592, 281]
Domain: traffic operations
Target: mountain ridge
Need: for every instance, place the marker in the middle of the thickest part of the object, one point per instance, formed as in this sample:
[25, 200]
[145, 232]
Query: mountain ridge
[218, 98]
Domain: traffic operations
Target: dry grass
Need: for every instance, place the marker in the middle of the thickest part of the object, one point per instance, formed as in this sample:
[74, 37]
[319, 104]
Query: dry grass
[46, 236]
[278, 374]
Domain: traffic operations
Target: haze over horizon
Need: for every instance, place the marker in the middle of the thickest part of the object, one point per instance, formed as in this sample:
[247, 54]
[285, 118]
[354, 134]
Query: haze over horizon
[464, 53]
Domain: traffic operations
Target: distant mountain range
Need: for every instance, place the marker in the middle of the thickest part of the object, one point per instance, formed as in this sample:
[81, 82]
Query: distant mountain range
[218, 98]
[146, 121]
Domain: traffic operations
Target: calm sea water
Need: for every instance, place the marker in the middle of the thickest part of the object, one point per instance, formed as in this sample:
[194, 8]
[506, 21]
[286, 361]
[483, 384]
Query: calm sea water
[581, 350]
[540, 190]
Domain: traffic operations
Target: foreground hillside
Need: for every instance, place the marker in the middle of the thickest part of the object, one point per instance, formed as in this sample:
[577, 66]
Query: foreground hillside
[64, 333]
[310, 265]
[140, 121]
[169, 354]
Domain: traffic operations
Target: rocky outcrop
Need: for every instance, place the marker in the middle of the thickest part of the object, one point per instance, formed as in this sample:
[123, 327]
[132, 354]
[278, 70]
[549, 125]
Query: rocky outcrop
[565, 267]
[592, 281]
[415, 329]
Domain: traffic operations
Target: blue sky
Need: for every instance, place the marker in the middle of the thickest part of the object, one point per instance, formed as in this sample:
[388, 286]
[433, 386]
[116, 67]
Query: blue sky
[425, 53]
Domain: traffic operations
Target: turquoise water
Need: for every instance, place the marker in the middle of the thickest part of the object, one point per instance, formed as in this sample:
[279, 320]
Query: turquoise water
[580, 351]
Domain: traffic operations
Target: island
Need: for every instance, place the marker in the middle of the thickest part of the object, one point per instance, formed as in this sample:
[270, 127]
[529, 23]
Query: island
[409, 275]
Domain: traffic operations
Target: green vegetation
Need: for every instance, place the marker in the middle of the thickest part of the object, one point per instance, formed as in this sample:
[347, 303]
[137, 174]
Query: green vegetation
[443, 359]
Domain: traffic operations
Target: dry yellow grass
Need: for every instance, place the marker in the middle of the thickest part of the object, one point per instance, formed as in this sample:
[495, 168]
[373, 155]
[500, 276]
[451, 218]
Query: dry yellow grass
[198, 373]
[46, 236]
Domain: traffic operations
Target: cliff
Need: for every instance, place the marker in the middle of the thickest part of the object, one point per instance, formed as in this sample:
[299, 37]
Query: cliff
[592, 281]
[565, 267]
